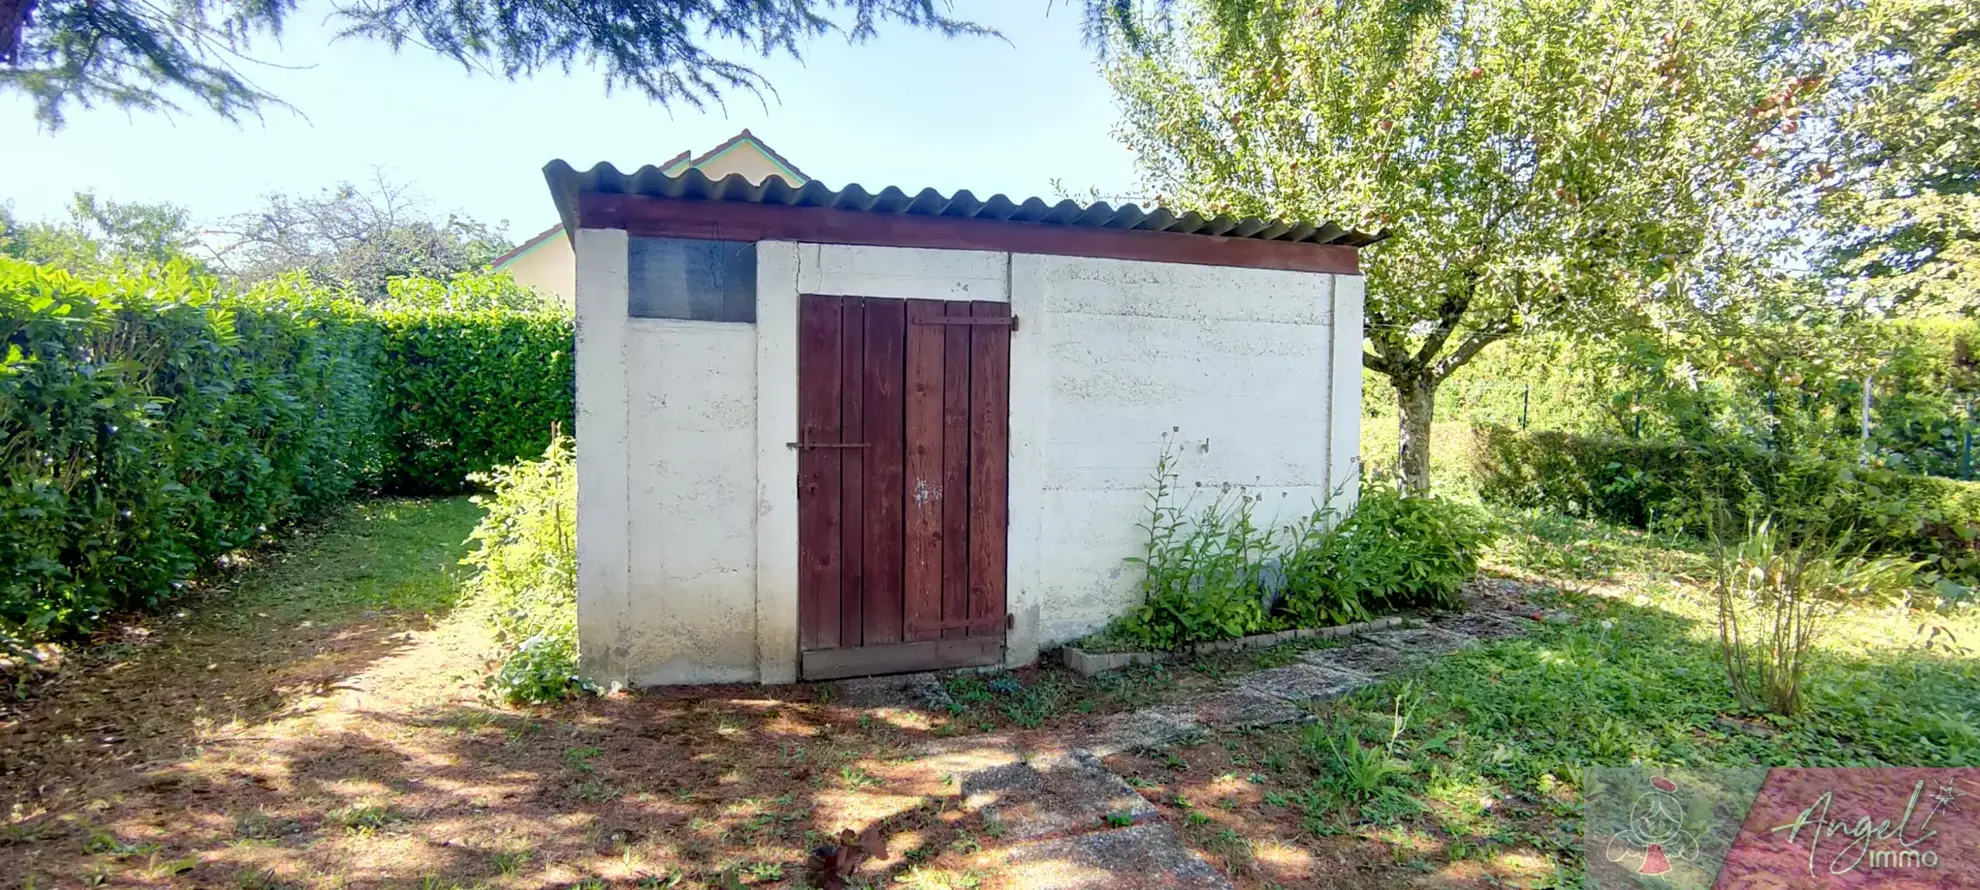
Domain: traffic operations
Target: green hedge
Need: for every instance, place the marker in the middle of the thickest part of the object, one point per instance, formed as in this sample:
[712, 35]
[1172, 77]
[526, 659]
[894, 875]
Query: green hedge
[1925, 395]
[471, 390]
[1692, 488]
[151, 422]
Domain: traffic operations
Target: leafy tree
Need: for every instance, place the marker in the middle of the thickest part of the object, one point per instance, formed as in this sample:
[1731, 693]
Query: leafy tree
[100, 234]
[142, 55]
[354, 237]
[1901, 177]
[1537, 163]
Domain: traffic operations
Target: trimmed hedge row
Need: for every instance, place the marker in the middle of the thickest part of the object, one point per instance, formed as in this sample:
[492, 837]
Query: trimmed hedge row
[151, 422]
[1683, 487]
[470, 390]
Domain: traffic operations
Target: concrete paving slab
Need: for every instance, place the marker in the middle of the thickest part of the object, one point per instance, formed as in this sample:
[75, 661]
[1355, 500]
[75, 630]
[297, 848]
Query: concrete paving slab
[1367, 658]
[919, 692]
[1305, 682]
[1126, 731]
[1239, 707]
[1051, 795]
[1419, 641]
[1144, 857]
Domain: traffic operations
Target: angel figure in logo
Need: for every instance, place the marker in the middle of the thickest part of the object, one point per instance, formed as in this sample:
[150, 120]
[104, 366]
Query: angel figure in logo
[1655, 833]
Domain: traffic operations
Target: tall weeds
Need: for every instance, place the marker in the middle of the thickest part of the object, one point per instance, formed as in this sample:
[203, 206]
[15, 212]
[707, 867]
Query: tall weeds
[1776, 599]
[525, 579]
[1221, 571]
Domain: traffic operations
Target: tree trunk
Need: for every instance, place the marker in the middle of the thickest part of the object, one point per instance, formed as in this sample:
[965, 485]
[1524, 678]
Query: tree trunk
[1416, 402]
[14, 15]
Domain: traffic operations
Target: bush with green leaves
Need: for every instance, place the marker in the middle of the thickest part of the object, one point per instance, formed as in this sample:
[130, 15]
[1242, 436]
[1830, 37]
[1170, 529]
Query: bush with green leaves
[1199, 567]
[1802, 380]
[1206, 572]
[525, 574]
[154, 422]
[471, 388]
[1700, 489]
[1392, 552]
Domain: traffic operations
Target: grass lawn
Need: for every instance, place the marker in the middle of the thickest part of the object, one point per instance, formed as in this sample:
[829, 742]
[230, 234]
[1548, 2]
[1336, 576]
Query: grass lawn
[318, 721]
[1467, 773]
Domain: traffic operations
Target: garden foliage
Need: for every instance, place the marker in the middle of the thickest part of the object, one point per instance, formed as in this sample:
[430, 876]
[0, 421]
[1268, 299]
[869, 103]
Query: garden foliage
[154, 421]
[1211, 573]
[525, 580]
[1800, 379]
[1776, 599]
[470, 388]
[1699, 489]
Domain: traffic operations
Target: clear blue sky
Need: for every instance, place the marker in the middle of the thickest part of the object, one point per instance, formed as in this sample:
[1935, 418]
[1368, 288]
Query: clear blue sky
[908, 109]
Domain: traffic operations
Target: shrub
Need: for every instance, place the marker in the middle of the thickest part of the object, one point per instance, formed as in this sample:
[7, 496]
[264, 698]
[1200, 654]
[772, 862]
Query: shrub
[1775, 599]
[1671, 486]
[1200, 571]
[476, 380]
[1207, 574]
[154, 422]
[1392, 552]
[525, 579]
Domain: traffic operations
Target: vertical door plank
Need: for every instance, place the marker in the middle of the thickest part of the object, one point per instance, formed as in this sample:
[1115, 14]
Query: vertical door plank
[852, 473]
[882, 563]
[818, 472]
[955, 471]
[922, 576]
[989, 466]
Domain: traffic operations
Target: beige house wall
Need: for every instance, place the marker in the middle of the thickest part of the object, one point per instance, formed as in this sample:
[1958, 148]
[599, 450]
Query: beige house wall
[551, 266]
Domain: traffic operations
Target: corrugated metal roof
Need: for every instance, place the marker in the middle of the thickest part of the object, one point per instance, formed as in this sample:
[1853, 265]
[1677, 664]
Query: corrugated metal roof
[566, 183]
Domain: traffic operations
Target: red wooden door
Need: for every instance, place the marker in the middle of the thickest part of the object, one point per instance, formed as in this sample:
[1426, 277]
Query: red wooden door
[903, 453]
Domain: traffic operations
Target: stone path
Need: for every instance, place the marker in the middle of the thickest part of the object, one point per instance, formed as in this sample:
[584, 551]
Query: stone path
[1070, 824]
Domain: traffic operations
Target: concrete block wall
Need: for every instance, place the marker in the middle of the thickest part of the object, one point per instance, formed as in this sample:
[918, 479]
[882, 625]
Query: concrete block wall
[1228, 369]
[687, 494]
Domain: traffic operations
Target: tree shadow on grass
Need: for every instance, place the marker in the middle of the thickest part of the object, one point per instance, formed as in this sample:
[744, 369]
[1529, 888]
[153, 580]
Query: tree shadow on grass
[294, 623]
[722, 792]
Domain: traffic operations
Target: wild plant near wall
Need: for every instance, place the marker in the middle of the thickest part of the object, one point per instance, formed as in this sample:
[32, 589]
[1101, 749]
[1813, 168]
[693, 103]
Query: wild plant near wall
[1775, 601]
[1200, 580]
[525, 580]
[153, 422]
[1392, 552]
[1217, 572]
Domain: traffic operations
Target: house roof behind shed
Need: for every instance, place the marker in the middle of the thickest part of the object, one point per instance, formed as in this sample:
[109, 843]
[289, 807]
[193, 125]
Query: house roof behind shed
[568, 183]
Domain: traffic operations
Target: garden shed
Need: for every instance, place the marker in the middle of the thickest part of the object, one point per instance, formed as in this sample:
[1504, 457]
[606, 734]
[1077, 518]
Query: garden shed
[828, 433]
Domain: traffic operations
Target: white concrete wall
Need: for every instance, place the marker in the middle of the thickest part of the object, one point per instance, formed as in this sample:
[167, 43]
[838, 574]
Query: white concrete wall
[602, 523]
[688, 495]
[1229, 369]
[691, 494]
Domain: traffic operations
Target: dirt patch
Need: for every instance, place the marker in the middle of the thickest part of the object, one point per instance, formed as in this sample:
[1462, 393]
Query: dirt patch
[321, 723]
